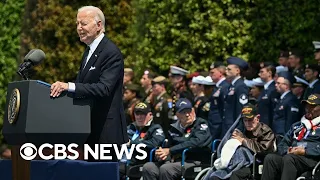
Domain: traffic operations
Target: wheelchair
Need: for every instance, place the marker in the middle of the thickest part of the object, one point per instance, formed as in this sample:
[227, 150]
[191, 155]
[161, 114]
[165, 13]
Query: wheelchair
[134, 172]
[311, 175]
[192, 172]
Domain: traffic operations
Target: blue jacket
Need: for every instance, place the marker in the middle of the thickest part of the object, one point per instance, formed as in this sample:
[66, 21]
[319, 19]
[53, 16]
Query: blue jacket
[216, 109]
[286, 113]
[266, 103]
[236, 98]
[311, 142]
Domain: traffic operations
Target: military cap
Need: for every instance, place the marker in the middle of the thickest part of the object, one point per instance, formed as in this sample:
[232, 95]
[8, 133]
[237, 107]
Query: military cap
[128, 70]
[249, 111]
[314, 67]
[284, 54]
[217, 64]
[295, 52]
[132, 87]
[182, 104]
[238, 61]
[198, 79]
[300, 82]
[288, 76]
[208, 81]
[281, 69]
[159, 80]
[142, 107]
[254, 82]
[174, 70]
[316, 45]
[313, 99]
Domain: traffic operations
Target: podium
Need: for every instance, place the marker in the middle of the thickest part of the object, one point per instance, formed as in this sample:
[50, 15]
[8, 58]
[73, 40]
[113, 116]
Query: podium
[32, 116]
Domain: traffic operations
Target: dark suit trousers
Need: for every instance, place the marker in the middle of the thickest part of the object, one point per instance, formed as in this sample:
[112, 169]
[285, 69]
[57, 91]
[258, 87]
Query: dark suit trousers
[287, 167]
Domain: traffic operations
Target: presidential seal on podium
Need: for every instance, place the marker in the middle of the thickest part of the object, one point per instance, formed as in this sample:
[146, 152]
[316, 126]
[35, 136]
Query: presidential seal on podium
[14, 106]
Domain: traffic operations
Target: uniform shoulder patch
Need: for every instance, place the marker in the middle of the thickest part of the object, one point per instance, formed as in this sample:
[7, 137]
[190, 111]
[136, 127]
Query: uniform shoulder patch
[294, 109]
[203, 127]
[159, 132]
[243, 99]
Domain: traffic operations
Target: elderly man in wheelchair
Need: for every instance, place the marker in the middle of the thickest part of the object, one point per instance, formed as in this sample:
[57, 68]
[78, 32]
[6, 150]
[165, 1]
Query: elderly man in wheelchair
[188, 132]
[144, 131]
[299, 150]
[236, 150]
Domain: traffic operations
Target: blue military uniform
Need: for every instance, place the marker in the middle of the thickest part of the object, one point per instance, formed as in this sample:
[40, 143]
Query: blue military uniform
[237, 96]
[314, 87]
[216, 108]
[267, 102]
[286, 111]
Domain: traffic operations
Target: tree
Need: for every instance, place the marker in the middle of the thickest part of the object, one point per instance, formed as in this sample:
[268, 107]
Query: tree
[283, 25]
[11, 13]
[190, 33]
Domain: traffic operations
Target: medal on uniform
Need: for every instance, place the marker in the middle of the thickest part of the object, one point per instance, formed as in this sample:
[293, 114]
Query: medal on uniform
[157, 114]
[216, 94]
[188, 133]
[142, 135]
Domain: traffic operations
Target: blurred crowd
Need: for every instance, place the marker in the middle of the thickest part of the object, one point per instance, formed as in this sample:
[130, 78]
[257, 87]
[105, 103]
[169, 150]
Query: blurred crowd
[194, 108]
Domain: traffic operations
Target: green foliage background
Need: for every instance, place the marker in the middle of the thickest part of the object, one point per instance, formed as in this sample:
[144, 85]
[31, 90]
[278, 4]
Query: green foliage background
[155, 34]
[11, 12]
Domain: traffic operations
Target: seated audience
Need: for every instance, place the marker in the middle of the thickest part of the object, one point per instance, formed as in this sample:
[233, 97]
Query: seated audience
[144, 131]
[188, 132]
[299, 150]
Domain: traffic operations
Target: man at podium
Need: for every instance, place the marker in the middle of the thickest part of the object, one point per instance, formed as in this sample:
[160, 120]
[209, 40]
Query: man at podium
[100, 78]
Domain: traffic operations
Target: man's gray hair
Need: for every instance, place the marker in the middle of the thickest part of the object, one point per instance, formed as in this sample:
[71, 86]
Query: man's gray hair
[99, 16]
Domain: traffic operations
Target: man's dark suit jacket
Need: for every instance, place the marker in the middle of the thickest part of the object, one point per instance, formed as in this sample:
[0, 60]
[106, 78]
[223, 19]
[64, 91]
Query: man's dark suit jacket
[102, 80]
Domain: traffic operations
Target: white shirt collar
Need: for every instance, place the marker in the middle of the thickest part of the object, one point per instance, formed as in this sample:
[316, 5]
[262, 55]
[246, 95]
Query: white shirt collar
[313, 82]
[93, 46]
[266, 85]
[284, 94]
[220, 81]
[235, 79]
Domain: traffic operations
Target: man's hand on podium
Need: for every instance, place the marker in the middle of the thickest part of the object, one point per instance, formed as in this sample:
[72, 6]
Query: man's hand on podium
[57, 88]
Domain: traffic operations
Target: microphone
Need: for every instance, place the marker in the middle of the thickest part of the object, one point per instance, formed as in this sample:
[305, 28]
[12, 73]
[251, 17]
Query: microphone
[33, 58]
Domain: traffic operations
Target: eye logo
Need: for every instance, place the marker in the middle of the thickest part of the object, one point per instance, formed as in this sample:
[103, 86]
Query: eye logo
[28, 151]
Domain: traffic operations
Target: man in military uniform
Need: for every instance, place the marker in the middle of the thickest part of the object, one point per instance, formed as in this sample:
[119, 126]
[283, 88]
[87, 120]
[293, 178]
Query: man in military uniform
[298, 88]
[204, 107]
[317, 51]
[179, 84]
[269, 96]
[295, 63]
[255, 89]
[298, 152]
[283, 58]
[188, 132]
[130, 99]
[312, 76]
[146, 83]
[216, 112]
[237, 95]
[142, 131]
[162, 103]
[286, 111]
[200, 99]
